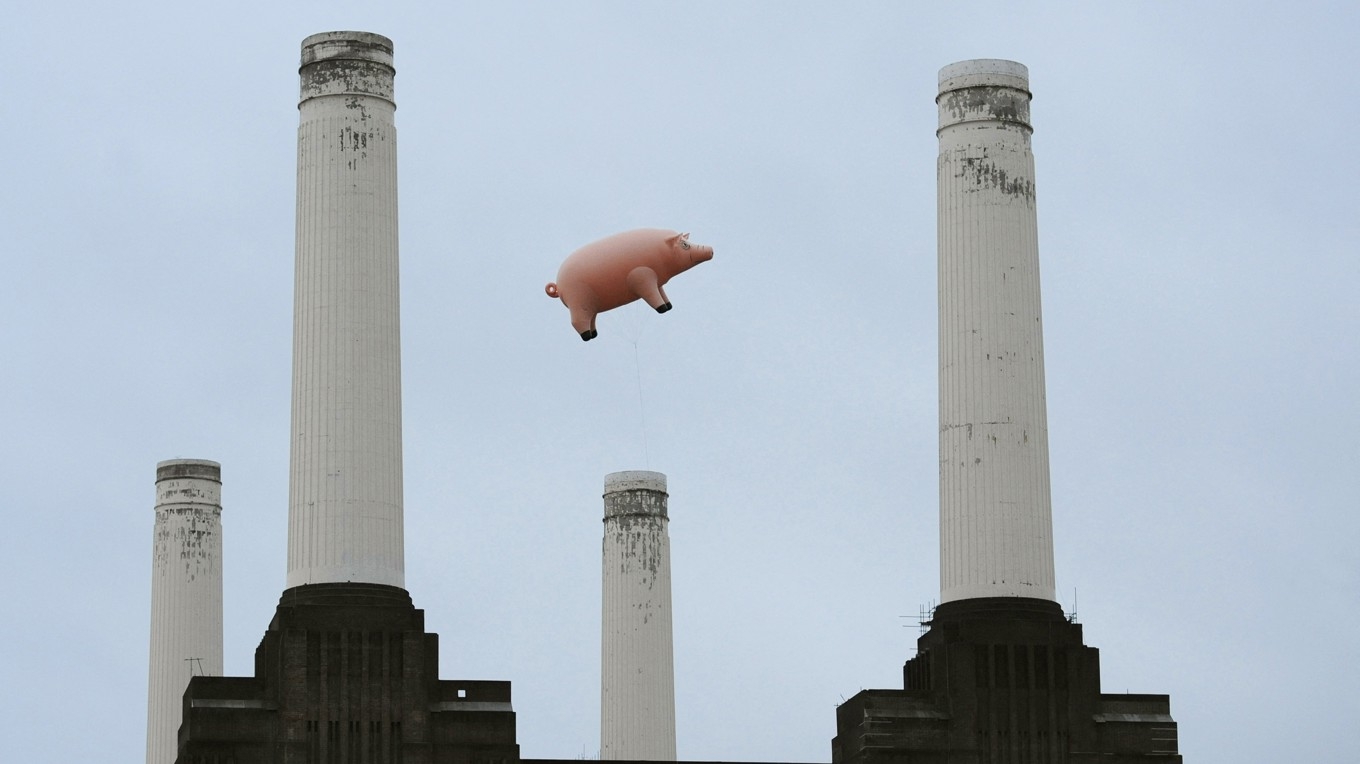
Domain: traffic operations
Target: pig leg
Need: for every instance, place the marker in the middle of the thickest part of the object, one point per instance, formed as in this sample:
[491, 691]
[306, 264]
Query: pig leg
[642, 281]
[583, 321]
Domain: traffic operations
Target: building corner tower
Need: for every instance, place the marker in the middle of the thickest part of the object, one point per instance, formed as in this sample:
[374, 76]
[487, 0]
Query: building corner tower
[186, 594]
[637, 684]
[346, 671]
[1002, 674]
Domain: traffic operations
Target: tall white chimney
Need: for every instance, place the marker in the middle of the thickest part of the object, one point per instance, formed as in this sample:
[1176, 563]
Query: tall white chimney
[637, 688]
[996, 537]
[345, 490]
[186, 595]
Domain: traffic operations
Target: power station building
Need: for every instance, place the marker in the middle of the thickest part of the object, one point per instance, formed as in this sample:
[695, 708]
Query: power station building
[346, 673]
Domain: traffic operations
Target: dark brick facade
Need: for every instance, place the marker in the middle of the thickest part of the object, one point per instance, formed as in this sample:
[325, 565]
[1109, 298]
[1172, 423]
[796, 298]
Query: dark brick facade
[346, 674]
[1003, 680]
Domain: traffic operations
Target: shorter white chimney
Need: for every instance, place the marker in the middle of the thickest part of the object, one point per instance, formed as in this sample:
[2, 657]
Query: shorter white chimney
[186, 594]
[637, 689]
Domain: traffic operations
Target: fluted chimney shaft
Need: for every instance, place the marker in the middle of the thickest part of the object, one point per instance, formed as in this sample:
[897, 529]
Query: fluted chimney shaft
[995, 513]
[345, 491]
[186, 595]
[637, 690]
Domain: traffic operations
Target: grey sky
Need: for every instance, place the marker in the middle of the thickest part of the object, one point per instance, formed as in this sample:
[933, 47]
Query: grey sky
[1198, 233]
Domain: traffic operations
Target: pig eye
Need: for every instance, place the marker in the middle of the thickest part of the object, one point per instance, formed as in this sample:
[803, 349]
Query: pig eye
[684, 244]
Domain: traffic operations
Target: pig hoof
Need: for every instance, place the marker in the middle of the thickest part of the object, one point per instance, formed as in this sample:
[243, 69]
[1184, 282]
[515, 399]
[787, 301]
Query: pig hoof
[589, 335]
[662, 308]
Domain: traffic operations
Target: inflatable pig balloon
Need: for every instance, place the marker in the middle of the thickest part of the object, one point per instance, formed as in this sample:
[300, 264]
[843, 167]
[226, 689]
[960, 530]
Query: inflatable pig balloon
[621, 268]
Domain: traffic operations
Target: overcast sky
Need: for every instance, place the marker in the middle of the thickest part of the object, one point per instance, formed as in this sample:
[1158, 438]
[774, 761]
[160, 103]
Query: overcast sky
[1196, 176]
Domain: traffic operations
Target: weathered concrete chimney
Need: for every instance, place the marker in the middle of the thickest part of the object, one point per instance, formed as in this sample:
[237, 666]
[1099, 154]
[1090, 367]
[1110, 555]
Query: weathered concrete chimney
[637, 688]
[996, 529]
[186, 594]
[345, 491]
[346, 671]
[1002, 674]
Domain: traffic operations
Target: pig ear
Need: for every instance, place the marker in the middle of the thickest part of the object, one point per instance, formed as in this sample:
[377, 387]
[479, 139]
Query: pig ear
[671, 240]
[684, 236]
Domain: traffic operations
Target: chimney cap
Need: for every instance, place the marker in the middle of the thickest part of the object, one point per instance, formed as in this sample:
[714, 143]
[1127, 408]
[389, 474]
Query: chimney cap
[354, 46]
[203, 469]
[984, 72]
[634, 480]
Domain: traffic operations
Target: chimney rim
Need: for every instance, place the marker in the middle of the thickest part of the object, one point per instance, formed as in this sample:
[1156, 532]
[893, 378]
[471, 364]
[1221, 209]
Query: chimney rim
[984, 72]
[347, 45]
[634, 480]
[202, 469]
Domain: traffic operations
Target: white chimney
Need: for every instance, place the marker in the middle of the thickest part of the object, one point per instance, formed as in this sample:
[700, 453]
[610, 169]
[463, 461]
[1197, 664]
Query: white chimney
[637, 688]
[186, 595]
[996, 537]
[345, 490]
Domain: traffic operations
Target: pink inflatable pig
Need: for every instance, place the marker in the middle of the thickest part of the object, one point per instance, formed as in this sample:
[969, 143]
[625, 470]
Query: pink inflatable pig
[621, 268]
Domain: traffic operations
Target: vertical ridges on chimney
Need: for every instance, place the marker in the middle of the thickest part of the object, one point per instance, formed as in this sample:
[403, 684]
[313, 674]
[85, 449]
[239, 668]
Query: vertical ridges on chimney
[637, 688]
[345, 488]
[995, 509]
[186, 594]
